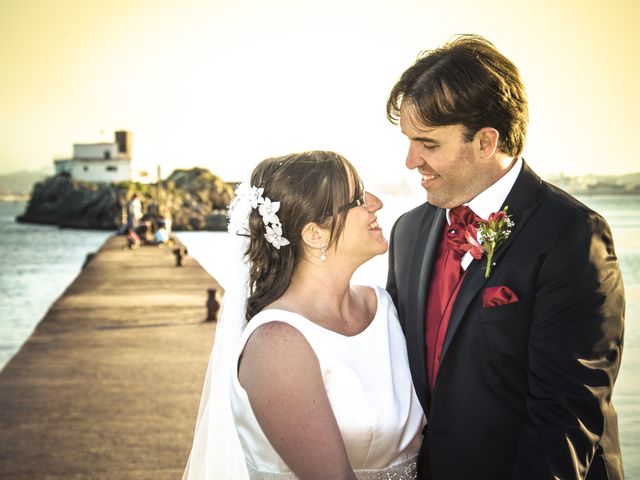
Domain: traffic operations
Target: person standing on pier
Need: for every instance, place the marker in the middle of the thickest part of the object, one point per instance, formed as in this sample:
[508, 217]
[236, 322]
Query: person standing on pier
[134, 211]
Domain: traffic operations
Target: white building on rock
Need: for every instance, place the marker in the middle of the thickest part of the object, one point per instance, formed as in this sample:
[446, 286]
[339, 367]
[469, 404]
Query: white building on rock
[101, 162]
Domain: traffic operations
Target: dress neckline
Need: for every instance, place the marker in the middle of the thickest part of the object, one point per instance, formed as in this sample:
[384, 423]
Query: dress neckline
[328, 330]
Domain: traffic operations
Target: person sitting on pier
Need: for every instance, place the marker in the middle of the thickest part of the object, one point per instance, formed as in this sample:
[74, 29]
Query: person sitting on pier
[312, 370]
[133, 240]
[161, 235]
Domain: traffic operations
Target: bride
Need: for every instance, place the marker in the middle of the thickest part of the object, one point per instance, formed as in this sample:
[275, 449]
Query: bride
[309, 376]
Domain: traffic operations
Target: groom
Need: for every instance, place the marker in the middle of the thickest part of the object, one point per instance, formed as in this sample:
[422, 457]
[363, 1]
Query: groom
[513, 360]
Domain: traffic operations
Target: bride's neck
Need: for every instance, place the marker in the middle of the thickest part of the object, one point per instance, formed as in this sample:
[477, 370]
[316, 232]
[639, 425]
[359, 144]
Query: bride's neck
[324, 288]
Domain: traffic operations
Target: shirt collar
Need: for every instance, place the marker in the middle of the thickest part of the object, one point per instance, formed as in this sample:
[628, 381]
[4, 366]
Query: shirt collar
[490, 201]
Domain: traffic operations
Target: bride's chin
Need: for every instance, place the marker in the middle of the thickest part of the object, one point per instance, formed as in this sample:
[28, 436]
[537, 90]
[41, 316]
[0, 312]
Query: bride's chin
[380, 249]
[383, 247]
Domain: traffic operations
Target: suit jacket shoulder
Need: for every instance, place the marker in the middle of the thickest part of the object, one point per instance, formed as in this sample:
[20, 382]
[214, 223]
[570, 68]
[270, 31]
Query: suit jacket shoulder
[568, 217]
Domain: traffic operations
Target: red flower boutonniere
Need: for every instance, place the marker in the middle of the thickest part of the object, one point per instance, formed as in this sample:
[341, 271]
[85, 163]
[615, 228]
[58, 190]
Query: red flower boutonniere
[489, 235]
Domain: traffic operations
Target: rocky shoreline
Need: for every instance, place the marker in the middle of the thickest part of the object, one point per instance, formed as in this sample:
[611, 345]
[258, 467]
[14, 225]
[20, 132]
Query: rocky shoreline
[194, 199]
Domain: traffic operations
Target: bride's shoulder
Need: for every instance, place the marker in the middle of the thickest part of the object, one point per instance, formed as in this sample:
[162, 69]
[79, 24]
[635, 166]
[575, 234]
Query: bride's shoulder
[271, 345]
[272, 324]
[276, 333]
[276, 327]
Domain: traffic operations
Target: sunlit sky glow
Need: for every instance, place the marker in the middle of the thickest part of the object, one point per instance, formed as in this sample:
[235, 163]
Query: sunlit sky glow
[224, 84]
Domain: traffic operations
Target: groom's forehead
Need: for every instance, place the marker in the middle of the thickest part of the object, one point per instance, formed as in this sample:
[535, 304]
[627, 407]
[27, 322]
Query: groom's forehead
[410, 122]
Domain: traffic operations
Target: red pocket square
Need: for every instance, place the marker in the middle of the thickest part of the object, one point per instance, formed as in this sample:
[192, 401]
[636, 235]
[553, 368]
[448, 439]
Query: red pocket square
[494, 296]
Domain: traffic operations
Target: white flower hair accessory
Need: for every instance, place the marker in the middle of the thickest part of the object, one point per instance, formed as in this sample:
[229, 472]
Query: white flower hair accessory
[248, 198]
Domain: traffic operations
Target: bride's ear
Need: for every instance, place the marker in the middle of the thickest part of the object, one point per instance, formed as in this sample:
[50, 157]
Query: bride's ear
[314, 236]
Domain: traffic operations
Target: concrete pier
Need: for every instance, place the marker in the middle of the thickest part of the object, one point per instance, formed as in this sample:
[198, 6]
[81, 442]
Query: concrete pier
[108, 385]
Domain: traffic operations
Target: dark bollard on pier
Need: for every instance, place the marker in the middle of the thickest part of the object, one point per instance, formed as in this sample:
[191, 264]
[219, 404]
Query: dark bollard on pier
[179, 253]
[213, 305]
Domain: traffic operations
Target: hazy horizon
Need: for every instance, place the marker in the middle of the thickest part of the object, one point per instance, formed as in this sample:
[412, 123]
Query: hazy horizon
[49, 170]
[223, 84]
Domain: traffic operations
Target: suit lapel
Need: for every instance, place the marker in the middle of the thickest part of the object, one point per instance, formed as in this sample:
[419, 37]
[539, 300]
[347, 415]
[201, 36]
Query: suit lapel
[522, 203]
[424, 253]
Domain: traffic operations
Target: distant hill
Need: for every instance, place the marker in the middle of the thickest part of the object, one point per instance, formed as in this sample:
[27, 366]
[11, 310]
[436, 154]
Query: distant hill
[626, 179]
[21, 183]
[629, 178]
[599, 184]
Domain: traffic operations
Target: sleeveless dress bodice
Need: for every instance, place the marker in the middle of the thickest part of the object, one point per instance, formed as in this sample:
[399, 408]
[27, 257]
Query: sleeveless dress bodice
[370, 390]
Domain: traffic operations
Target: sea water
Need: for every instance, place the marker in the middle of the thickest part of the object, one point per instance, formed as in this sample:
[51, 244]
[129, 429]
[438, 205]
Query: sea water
[38, 263]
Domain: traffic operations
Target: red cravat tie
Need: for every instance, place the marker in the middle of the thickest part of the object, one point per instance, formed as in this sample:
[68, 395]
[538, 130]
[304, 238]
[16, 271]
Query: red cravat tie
[460, 217]
[444, 286]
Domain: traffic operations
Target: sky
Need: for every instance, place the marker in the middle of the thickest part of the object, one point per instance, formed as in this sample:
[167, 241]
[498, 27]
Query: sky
[223, 84]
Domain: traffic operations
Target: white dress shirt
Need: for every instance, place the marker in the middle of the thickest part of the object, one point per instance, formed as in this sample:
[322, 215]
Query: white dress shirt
[490, 201]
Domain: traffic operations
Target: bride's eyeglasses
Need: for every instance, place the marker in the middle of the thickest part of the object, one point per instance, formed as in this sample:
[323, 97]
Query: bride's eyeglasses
[359, 201]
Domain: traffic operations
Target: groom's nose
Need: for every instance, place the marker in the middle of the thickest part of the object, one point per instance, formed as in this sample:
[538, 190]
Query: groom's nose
[413, 157]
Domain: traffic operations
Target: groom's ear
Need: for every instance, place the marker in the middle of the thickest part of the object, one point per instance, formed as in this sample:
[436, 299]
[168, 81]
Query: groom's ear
[488, 141]
[313, 235]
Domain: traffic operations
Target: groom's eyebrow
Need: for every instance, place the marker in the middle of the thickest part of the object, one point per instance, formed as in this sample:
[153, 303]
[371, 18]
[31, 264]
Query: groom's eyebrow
[425, 139]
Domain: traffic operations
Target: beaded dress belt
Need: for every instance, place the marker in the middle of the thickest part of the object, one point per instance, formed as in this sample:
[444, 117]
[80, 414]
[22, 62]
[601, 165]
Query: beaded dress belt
[406, 470]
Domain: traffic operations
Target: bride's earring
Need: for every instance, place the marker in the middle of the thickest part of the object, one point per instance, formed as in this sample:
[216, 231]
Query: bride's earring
[323, 253]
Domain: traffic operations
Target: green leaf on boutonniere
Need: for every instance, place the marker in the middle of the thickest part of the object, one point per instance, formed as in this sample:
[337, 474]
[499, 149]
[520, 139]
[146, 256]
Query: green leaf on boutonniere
[492, 233]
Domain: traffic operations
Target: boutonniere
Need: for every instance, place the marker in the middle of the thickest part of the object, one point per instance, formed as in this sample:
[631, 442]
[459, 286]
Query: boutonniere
[487, 236]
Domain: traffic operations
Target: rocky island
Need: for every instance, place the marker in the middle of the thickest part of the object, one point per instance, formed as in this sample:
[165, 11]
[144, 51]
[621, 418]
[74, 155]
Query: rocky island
[194, 199]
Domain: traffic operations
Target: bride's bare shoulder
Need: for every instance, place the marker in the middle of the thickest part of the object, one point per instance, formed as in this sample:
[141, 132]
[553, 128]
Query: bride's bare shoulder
[276, 335]
[272, 346]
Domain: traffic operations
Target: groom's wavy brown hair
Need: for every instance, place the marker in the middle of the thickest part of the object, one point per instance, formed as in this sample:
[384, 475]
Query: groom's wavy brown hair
[311, 187]
[466, 81]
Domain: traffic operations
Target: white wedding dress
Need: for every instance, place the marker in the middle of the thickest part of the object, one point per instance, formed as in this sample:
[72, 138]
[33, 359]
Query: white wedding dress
[369, 386]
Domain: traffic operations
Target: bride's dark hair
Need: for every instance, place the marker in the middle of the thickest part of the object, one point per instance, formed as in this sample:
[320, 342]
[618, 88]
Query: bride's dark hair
[311, 187]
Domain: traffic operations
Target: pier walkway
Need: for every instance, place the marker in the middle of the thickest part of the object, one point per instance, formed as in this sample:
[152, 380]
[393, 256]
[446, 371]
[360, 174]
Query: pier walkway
[108, 385]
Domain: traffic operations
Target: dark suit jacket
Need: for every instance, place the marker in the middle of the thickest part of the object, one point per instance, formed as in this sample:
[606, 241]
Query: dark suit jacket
[523, 390]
